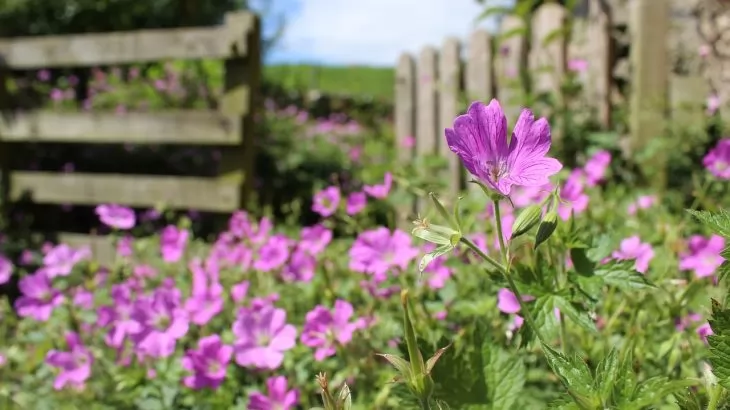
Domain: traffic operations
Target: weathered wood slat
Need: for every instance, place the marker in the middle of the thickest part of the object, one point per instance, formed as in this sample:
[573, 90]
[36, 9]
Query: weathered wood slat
[450, 79]
[102, 247]
[204, 194]
[174, 127]
[129, 47]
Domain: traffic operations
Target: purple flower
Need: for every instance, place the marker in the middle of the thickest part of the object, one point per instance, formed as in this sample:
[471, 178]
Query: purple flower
[208, 363]
[326, 201]
[172, 243]
[380, 191]
[507, 301]
[74, 364]
[596, 167]
[377, 251]
[239, 291]
[314, 239]
[479, 138]
[703, 255]
[324, 329]
[643, 202]
[576, 201]
[262, 337]
[300, 268]
[206, 300]
[44, 75]
[6, 269]
[273, 255]
[116, 216]
[279, 397]
[119, 316]
[38, 298]
[60, 260]
[356, 202]
[632, 248]
[162, 322]
[717, 161]
[703, 331]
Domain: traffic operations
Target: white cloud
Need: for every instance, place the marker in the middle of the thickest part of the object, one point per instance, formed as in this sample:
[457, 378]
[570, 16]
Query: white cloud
[373, 32]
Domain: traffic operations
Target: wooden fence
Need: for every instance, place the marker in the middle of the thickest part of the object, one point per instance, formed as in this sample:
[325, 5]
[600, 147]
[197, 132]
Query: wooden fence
[435, 85]
[231, 125]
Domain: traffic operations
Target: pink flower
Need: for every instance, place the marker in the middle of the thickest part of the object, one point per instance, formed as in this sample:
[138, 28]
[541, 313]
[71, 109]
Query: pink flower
[703, 256]
[262, 337]
[279, 397]
[6, 269]
[632, 248]
[643, 202]
[60, 260]
[380, 191]
[479, 138]
[717, 161]
[116, 216]
[172, 243]
[74, 364]
[326, 201]
[577, 65]
[713, 104]
[207, 363]
[356, 202]
[576, 201]
[507, 301]
[377, 251]
[704, 331]
[324, 328]
[596, 167]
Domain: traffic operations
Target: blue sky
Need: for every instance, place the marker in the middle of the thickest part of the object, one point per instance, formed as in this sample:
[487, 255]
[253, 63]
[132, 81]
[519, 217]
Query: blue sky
[366, 32]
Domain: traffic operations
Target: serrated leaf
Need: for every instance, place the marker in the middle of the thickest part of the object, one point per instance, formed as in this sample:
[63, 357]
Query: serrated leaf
[623, 277]
[575, 376]
[606, 374]
[505, 375]
[580, 317]
[654, 391]
[718, 222]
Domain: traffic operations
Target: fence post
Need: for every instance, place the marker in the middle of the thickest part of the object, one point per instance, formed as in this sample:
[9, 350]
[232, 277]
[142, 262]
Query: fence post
[649, 73]
[510, 61]
[426, 111]
[600, 57]
[241, 99]
[479, 79]
[448, 106]
[405, 123]
[548, 51]
[6, 112]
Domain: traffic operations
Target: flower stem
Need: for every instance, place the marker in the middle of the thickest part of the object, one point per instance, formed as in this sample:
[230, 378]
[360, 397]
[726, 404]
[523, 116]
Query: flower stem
[498, 219]
[510, 281]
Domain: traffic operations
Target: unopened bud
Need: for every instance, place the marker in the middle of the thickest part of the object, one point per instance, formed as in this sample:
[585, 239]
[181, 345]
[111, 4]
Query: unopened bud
[526, 220]
[546, 228]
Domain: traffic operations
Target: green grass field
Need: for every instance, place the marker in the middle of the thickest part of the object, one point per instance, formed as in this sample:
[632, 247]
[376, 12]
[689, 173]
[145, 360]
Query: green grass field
[376, 82]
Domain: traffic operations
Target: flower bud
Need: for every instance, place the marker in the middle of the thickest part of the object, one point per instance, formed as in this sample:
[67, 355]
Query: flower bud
[526, 220]
[546, 227]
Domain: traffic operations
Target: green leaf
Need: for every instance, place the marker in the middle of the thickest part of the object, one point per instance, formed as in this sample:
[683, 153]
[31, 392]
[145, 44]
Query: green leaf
[581, 263]
[580, 317]
[606, 374]
[654, 391]
[429, 257]
[493, 11]
[718, 222]
[575, 376]
[623, 277]
[505, 375]
[720, 343]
